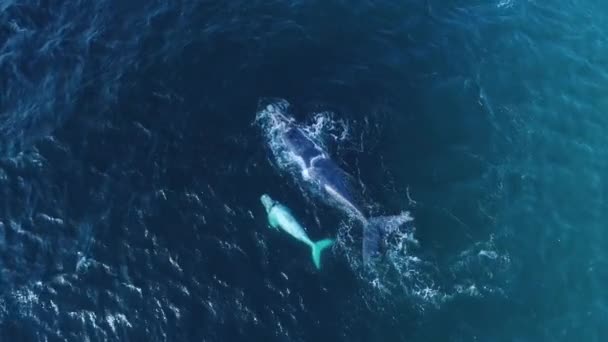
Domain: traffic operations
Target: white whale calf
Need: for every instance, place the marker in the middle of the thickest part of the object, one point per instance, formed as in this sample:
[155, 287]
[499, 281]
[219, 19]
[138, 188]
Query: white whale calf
[279, 216]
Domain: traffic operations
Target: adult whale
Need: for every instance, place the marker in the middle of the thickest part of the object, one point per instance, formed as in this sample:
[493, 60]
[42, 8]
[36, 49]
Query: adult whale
[297, 149]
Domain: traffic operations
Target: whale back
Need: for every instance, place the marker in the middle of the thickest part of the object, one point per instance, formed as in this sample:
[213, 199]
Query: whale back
[331, 174]
[301, 145]
[323, 170]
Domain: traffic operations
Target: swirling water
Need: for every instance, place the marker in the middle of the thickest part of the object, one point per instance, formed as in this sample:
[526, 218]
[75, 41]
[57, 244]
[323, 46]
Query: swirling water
[131, 169]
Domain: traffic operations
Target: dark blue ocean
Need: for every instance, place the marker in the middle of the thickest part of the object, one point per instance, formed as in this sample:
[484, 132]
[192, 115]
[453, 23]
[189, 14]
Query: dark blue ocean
[131, 168]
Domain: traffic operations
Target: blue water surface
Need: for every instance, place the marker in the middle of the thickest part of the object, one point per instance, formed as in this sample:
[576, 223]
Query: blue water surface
[131, 167]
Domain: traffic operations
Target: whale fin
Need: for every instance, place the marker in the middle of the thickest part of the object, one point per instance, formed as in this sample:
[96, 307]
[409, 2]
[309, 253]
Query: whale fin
[272, 222]
[317, 249]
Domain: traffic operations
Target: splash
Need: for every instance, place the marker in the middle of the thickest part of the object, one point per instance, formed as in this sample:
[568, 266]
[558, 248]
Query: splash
[326, 126]
[481, 269]
[400, 276]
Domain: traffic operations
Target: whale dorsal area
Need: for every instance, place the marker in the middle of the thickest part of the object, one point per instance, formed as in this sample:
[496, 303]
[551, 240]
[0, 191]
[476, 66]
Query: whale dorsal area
[302, 146]
[325, 170]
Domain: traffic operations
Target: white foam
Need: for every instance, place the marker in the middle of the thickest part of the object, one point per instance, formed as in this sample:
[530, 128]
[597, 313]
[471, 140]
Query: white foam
[119, 319]
[175, 310]
[175, 264]
[54, 220]
[133, 288]
[488, 254]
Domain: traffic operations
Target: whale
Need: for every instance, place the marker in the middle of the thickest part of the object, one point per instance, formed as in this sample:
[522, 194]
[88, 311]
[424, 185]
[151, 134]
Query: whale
[280, 217]
[324, 178]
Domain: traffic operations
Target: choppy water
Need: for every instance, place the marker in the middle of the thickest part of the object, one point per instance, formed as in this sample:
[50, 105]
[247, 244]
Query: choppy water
[131, 169]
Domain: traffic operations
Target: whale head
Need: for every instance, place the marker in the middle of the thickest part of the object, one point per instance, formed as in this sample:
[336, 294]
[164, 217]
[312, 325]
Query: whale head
[267, 202]
[274, 114]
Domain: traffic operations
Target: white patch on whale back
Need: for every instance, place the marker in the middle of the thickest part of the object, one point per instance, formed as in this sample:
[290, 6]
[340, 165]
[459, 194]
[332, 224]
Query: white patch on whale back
[299, 160]
[306, 175]
[308, 172]
[314, 159]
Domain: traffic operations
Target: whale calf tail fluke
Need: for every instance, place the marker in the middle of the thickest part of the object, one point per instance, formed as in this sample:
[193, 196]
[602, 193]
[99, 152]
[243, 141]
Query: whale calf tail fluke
[317, 249]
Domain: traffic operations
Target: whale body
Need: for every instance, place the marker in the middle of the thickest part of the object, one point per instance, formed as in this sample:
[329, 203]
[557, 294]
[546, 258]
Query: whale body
[322, 175]
[280, 217]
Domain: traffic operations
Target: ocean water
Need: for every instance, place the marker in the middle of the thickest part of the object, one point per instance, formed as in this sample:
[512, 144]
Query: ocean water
[131, 166]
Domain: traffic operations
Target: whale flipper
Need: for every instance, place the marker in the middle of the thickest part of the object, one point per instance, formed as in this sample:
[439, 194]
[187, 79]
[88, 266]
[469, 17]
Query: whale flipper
[272, 223]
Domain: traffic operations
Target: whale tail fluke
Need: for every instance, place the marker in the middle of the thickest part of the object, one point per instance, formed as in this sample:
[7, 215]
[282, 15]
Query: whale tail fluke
[317, 249]
[374, 232]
